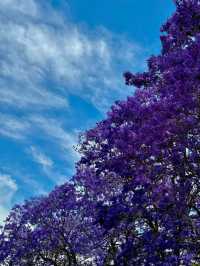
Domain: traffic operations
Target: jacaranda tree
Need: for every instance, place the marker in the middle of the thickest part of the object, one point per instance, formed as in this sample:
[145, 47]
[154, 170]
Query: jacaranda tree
[135, 197]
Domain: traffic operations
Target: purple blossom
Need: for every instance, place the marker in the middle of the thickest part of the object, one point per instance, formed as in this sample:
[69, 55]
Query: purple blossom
[134, 199]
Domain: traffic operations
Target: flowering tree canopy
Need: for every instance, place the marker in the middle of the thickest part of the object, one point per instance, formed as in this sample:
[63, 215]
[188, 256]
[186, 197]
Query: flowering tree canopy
[135, 197]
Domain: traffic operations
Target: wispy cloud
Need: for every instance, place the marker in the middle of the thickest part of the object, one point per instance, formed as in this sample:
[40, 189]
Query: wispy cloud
[36, 48]
[47, 165]
[13, 127]
[8, 188]
[56, 132]
[40, 157]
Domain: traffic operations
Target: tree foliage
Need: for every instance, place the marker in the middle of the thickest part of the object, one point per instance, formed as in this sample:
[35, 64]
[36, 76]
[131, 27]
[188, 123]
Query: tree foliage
[135, 197]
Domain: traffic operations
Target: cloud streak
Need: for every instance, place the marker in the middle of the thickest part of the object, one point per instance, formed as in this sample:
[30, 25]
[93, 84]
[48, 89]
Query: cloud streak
[37, 49]
[8, 188]
[13, 127]
[40, 157]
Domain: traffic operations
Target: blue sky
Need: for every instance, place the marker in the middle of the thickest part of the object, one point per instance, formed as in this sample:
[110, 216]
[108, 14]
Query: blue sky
[61, 65]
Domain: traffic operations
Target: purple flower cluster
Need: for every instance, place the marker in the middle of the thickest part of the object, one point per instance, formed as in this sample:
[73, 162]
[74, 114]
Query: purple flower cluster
[135, 197]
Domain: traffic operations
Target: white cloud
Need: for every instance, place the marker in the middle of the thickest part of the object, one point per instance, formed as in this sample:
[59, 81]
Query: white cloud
[13, 127]
[47, 165]
[50, 48]
[56, 132]
[45, 58]
[8, 187]
[40, 157]
[26, 7]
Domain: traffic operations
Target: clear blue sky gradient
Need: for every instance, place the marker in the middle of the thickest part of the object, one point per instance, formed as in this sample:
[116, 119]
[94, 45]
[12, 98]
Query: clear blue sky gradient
[61, 68]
